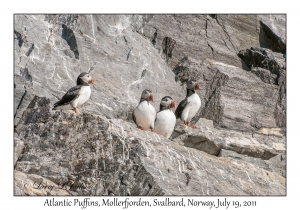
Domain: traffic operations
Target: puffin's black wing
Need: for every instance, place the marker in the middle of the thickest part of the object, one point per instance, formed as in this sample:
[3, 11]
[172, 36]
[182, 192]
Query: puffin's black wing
[69, 96]
[133, 117]
[180, 108]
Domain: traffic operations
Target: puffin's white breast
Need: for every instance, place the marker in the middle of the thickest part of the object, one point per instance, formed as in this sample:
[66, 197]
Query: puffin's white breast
[194, 104]
[84, 95]
[165, 123]
[145, 115]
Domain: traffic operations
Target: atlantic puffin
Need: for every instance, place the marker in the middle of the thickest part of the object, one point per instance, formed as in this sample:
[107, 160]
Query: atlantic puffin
[76, 96]
[165, 119]
[144, 114]
[189, 106]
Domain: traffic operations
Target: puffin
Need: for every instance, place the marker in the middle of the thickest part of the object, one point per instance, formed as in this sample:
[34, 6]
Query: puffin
[165, 119]
[189, 106]
[144, 114]
[76, 96]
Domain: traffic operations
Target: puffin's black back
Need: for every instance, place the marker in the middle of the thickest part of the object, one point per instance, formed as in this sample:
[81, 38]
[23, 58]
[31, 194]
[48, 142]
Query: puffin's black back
[69, 96]
[180, 108]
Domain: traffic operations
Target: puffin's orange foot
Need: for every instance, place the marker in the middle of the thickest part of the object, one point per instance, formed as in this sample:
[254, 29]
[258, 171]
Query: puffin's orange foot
[194, 126]
[186, 123]
[139, 127]
[76, 110]
[152, 130]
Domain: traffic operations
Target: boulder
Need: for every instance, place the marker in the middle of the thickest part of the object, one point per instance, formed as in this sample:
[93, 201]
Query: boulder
[212, 141]
[112, 157]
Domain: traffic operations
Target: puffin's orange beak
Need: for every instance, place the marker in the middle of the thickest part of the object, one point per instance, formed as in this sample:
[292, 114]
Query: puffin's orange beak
[173, 105]
[197, 86]
[151, 98]
[92, 81]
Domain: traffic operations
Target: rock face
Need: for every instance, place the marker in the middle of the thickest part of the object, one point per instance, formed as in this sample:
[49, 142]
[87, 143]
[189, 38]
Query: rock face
[18, 148]
[31, 184]
[238, 147]
[112, 157]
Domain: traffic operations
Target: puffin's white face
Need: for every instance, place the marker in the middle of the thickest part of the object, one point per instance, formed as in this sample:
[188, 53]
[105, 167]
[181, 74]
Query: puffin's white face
[168, 102]
[192, 84]
[147, 94]
[87, 78]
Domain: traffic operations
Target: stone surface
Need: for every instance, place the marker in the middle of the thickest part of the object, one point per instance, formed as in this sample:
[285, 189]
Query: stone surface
[31, 184]
[264, 58]
[278, 164]
[274, 164]
[122, 62]
[212, 141]
[265, 75]
[238, 99]
[202, 122]
[238, 60]
[129, 53]
[112, 157]
[273, 32]
[23, 94]
[276, 64]
[199, 37]
[271, 131]
[18, 148]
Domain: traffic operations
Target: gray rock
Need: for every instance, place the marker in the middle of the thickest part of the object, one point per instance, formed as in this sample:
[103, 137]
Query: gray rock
[113, 157]
[23, 94]
[265, 75]
[275, 62]
[274, 164]
[31, 184]
[122, 62]
[280, 109]
[200, 37]
[126, 53]
[273, 32]
[202, 122]
[18, 148]
[212, 141]
[238, 99]
[278, 164]
[264, 58]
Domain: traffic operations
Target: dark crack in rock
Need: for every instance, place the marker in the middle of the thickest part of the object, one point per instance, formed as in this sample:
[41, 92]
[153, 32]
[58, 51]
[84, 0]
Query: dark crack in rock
[273, 35]
[168, 45]
[265, 75]
[24, 73]
[19, 38]
[69, 36]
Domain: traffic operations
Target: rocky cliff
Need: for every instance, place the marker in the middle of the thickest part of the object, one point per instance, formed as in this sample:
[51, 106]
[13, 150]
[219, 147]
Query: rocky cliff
[238, 147]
